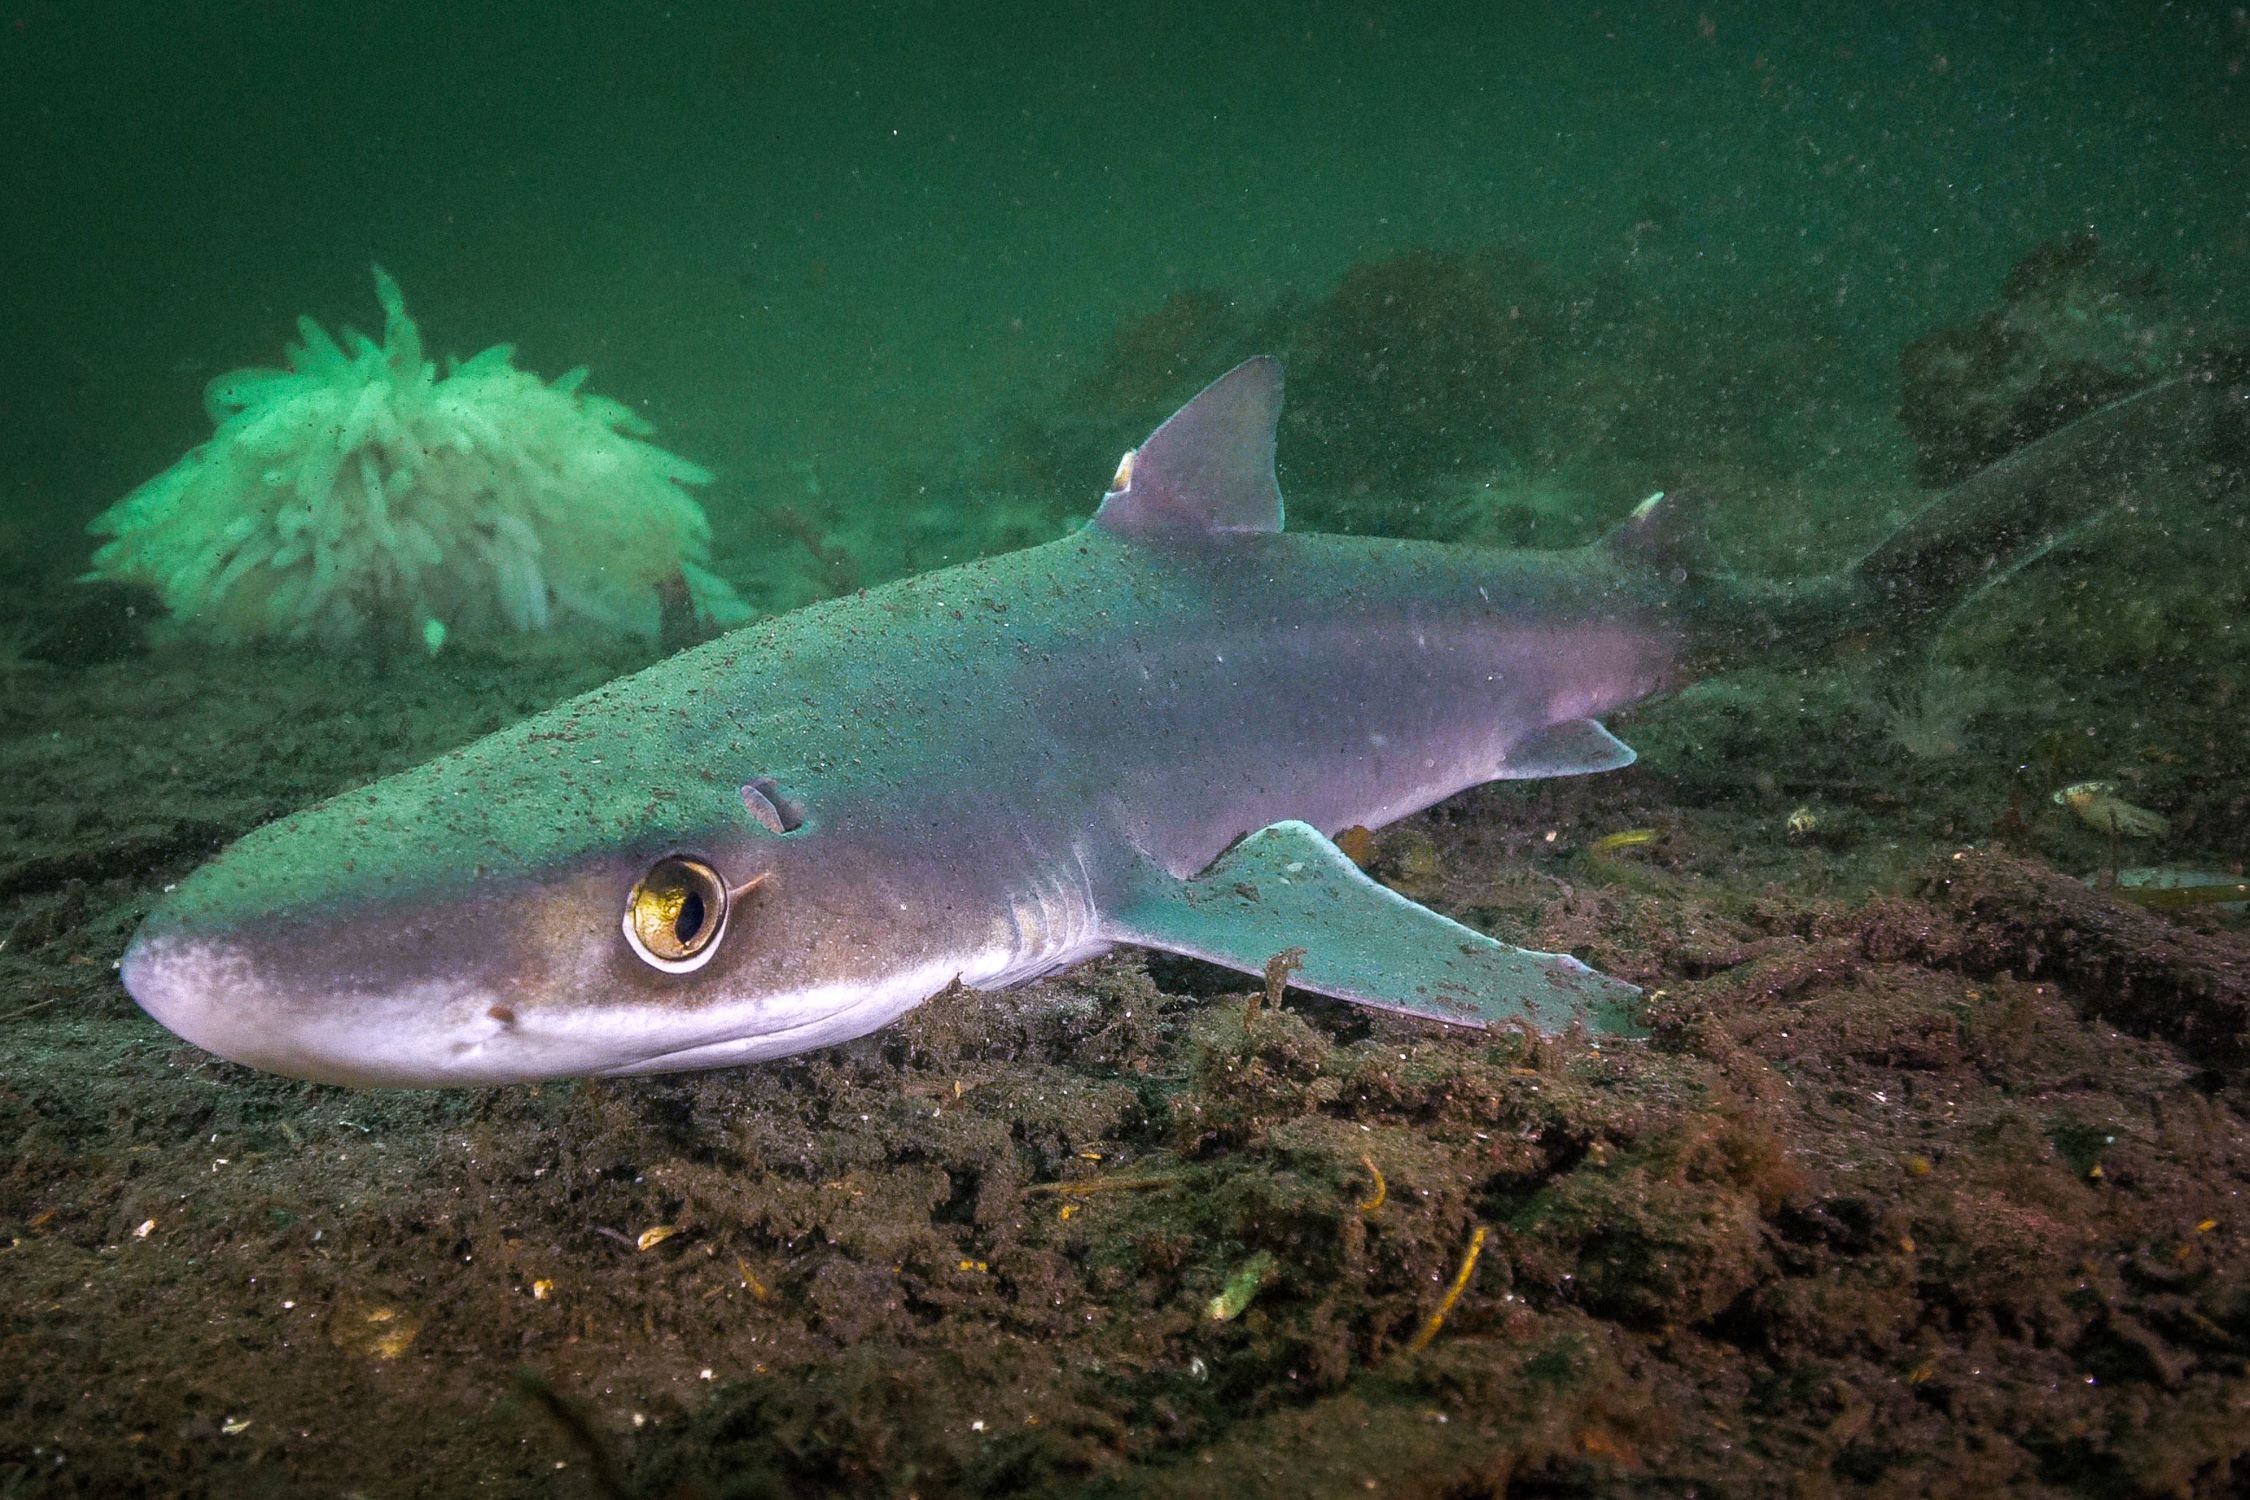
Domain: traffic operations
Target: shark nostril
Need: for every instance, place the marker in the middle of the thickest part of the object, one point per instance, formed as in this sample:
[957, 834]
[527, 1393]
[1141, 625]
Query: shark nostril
[763, 798]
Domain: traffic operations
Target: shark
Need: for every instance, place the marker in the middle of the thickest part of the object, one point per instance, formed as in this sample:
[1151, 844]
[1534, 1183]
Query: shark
[1148, 732]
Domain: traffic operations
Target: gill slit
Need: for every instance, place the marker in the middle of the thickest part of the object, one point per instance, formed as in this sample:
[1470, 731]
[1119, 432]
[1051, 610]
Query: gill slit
[1052, 919]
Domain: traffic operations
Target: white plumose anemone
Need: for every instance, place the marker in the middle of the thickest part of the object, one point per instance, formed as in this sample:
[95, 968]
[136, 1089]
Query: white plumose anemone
[358, 492]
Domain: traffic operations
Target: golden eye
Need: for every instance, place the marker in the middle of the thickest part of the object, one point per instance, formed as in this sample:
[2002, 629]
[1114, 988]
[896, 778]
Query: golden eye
[675, 915]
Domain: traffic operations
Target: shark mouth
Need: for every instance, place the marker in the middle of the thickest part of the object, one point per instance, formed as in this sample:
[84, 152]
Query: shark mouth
[441, 1034]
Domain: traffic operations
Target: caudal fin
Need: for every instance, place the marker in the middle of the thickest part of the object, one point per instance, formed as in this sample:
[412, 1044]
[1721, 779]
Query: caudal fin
[1982, 531]
[2187, 432]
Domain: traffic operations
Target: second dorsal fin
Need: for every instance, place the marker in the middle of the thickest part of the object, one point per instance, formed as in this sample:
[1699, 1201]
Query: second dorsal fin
[1210, 466]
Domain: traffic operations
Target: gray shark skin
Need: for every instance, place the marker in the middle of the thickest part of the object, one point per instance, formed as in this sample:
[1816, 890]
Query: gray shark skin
[1137, 734]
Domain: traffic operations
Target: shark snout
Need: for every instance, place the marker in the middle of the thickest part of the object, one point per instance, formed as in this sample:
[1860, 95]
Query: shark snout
[215, 992]
[202, 990]
[285, 1005]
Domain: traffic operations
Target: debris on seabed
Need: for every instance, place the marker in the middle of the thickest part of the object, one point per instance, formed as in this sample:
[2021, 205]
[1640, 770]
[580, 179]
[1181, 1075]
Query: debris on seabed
[1278, 969]
[1452, 1294]
[374, 1330]
[1235, 1297]
[2172, 888]
[1382, 1188]
[2098, 806]
[1092, 1185]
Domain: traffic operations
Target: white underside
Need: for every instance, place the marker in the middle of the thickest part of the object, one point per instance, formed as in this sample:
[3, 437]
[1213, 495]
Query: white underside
[446, 1032]
[833, 1013]
[438, 1035]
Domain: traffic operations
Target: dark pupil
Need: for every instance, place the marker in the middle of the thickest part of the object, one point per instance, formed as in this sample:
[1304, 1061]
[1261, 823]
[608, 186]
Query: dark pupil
[690, 920]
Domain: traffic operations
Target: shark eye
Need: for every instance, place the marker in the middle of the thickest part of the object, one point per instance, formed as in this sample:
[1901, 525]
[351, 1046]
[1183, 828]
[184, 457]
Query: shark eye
[676, 914]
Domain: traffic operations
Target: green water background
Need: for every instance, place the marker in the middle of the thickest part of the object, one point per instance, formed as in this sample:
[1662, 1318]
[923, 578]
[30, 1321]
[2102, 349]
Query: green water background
[816, 242]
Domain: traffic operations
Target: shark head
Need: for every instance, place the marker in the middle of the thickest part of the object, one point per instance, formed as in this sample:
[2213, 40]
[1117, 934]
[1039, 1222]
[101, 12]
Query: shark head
[502, 914]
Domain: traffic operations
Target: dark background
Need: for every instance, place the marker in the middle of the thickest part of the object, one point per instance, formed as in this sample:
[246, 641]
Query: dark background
[829, 233]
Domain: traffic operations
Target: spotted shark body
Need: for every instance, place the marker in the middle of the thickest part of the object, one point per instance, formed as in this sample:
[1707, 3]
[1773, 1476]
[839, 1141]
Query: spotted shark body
[1144, 733]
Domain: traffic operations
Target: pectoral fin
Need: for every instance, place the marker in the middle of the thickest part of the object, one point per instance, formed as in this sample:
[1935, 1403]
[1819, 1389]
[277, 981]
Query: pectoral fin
[1285, 886]
[1575, 747]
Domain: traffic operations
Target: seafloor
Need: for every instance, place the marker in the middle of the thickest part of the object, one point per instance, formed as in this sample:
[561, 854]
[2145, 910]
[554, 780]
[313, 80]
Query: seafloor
[1929, 1181]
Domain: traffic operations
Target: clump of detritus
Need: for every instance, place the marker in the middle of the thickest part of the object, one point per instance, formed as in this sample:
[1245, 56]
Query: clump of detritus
[1250, 1066]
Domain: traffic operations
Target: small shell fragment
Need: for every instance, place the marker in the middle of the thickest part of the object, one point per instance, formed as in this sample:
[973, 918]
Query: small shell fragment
[2098, 806]
[376, 1330]
[656, 1235]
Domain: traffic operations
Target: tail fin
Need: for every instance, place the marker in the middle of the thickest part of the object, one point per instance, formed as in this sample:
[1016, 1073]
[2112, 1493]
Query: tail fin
[1901, 596]
[1986, 528]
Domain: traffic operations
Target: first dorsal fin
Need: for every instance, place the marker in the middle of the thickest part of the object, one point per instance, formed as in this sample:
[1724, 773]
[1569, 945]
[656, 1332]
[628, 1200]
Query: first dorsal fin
[1210, 466]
